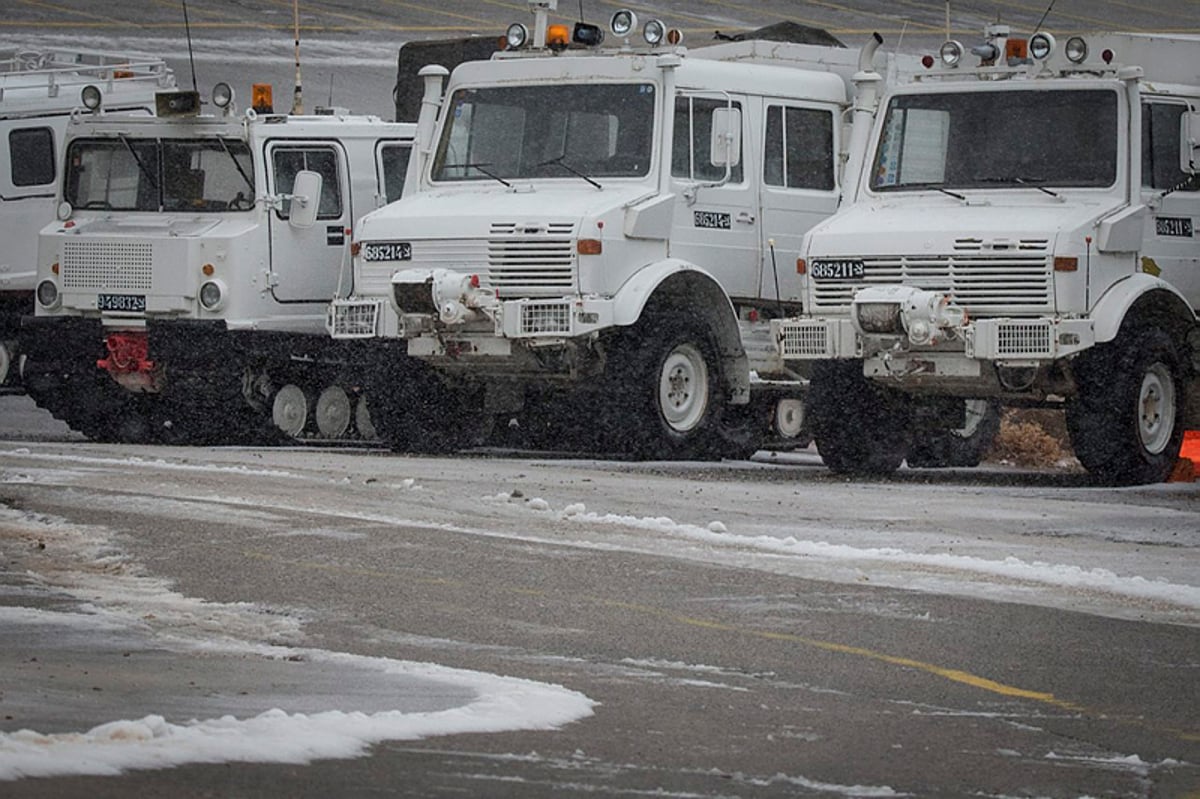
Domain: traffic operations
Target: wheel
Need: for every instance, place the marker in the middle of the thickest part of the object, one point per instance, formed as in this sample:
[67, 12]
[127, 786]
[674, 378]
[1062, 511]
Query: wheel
[289, 410]
[860, 428]
[959, 447]
[333, 412]
[662, 390]
[1126, 422]
[362, 419]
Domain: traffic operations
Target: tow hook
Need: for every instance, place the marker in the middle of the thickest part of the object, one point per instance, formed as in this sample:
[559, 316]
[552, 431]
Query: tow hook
[129, 363]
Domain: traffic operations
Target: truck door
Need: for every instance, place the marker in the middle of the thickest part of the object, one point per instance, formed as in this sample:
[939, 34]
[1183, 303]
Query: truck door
[1170, 241]
[28, 184]
[799, 187]
[719, 231]
[305, 262]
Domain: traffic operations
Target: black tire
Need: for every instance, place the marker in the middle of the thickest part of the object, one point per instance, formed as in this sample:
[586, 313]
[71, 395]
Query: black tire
[661, 395]
[961, 447]
[860, 428]
[1126, 422]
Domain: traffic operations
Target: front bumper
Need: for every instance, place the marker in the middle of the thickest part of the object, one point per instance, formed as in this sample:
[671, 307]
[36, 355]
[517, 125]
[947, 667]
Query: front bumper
[1037, 339]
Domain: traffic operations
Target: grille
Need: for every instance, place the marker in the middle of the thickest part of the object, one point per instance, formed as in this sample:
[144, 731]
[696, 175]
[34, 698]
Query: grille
[112, 265]
[546, 318]
[986, 284]
[1023, 339]
[531, 258]
[355, 319]
[801, 339]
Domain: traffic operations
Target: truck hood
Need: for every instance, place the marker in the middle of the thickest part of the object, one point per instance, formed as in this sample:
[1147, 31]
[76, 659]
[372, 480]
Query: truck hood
[942, 225]
[456, 213]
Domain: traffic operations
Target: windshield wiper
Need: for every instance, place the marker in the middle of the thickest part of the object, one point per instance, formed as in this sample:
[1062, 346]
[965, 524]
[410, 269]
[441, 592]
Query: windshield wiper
[237, 164]
[480, 168]
[560, 162]
[138, 160]
[1033, 183]
[935, 187]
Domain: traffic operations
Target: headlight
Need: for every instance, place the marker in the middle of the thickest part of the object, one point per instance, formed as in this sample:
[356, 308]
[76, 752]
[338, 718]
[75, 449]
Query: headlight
[951, 53]
[1076, 50]
[623, 22]
[879, 317]
[516, 36]
[222, 95]
[47, 294]
[1041, 45]
[654, 32]
[90, 96]
[212, 294]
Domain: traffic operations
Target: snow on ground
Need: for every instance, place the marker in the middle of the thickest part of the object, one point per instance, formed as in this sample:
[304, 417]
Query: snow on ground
[120, 600]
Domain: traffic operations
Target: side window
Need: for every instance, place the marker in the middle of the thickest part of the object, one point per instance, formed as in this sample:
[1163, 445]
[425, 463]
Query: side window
[1160, 147]
[32, 153]
[799, 148]
[393, 161]
[290, 161]
[691, 156]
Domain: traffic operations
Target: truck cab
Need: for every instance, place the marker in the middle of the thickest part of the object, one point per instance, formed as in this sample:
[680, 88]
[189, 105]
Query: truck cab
[1024, 235]
[38, 90]
[599, 238]
[181, 291]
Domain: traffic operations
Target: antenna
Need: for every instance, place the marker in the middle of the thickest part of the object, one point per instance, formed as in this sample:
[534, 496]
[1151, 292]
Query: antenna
[1043, 19]
[947, 20]
[581, 10]
[331, 88]
[187, 27]
[297, 96]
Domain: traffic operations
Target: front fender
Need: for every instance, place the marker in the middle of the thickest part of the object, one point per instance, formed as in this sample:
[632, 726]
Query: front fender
[631, 298]
[1114, 305]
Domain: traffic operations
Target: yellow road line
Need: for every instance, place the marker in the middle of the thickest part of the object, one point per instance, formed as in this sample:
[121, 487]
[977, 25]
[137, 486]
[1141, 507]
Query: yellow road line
[953, 675]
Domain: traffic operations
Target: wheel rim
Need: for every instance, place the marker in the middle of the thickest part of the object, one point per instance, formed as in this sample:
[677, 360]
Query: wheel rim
[683, 388]
[1156, 409]
[289, 411]
[974, 414]
[333, 412]
[362, 419]
[789, 417]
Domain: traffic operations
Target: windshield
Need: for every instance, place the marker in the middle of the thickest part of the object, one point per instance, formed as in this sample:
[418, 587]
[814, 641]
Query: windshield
[997, 139]
[573, 132]
[127, 174]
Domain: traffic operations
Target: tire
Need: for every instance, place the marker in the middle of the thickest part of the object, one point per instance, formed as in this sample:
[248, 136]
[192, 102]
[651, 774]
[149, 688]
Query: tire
[1126, 422]
[962, 447]
[661, 396]
[860, 428]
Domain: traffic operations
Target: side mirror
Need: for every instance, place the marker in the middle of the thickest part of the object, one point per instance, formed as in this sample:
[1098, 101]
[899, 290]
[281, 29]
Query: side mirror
[1189, 142]
[726, 143]
[306, 199]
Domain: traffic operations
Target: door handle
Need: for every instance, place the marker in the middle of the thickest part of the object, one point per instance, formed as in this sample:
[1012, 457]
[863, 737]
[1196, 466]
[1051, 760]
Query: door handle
[745, 217]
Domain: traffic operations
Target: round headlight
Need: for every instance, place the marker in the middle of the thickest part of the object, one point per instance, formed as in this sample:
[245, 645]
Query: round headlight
[623, 22]
[951, 53]
[654, 32]
[211, 295]
[516, 36]
[47, 294]
[1076, 50]
[222, 95]
[90, 96]
[1041, 45]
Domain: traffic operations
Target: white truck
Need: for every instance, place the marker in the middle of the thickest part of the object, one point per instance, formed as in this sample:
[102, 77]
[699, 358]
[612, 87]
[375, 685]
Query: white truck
[38, 90]
[598, 239]
[1024, 235]
[181, 293]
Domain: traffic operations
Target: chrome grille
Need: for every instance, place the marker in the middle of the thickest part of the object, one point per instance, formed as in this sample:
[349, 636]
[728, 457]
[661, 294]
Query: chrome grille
[986, 283]
[114, 265]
